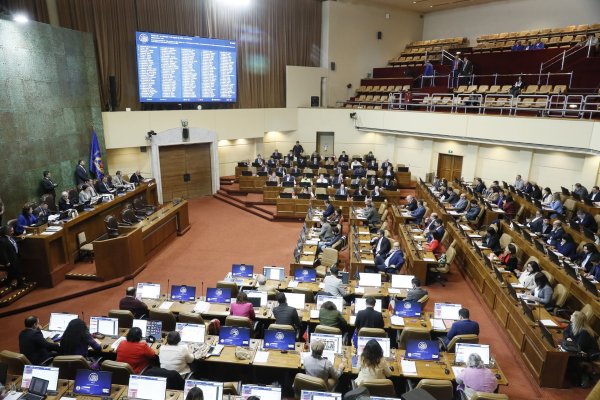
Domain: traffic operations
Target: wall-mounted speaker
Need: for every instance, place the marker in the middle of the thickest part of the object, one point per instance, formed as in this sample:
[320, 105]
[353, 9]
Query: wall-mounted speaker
[314, 101]
[379, 35]
[333, 65]
[185, 134]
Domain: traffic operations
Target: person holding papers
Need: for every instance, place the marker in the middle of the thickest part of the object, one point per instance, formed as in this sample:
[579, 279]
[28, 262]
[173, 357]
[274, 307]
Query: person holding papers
[284, 314]
[464, 326]
[369, 317]
[316, 365]
[130, 303]
[332, 284]
[175, 357]
[476, 378]
[329, 315]
[77, 339]
[393, 261]
[527, 277]
[32, 343]
[371, 364]
[242, 307]
[416, 292]
[134, 351]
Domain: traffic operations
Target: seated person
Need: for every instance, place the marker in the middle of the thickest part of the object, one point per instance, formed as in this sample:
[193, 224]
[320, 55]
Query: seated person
[371, 215]
[332, 284]
[479, 186]
[32, 343]
[567, 246]
[118, 181]
[464, 326]
[369, 317]
[134, 351]
[389, 183]
[473, 212]
[26, 218]
[556, 205]
[335, 236]
[76, 339]
[542, 293]
[286, 315]
[130, 303]
[136, 178]
[376, 192]
[322, 179]
[104, 186]
[534, 224]
[262, 285]
[359, 172]
[586, 221]
[381, 245]
[85, 194]
[461, 204]
[577, 337]
[510, 208]
[336, 218]
[556, 233]
[316, 365]
[411, 203]
[372, 364]
[273, 178]
[329, 315]
[476, 378]
[546, 196]
[341, 191]
[509, 258]
[417, 292]
[594, 271]
[435, 246]
[419, 212]
[527, 277]
[175, 357]
[361, 191]
[449, 196]
[242, 307]
[583, 258]
[64, 203]
[392, 262]
[491, 240]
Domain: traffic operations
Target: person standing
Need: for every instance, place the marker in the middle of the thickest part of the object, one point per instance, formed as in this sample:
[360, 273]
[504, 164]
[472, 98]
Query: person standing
[467, 71]
[428, 73]
[1, 210]
[81, 174]
[48, 186]
[297, 149]
[456, 69]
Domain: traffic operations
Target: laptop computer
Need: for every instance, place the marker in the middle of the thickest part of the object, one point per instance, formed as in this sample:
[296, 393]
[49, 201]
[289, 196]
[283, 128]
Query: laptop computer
[313, 395]
[305, 275]
[333, 344]
[464, 350]
[242, 270]
[148, 327]
[262, 392]
[546, 334]
[191, 333]
[234, 336]
[49, 374]
[104, 326]
[360, 303]
[278, 339]
[210, 390]
[407, 308]
[183, 293]
[274, 273]
[218, 295]
[446, 311]
[422, 350]
[147, 290]
[92, 383]
[38, 388]
[257, 298]
[147, 387]
[59, 321]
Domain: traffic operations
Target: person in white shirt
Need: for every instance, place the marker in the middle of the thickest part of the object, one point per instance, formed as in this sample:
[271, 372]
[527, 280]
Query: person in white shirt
[174, 356]
[519, 183]
[332, 284]
[527, 277]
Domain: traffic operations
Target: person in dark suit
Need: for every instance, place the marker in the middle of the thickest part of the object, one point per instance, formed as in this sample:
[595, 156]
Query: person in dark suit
[369, 318]
[342, 191]
[411, 203]
[48, 186]
[416, 292]
[286, 315]
[595, 194]
[289, 178]
[389, 183]
[32, 343]
[419, 212]
[329, 209]
[581, 191]
[343, 157]
[9, 256]
[457, 65]
[81, 174]
[556, 233]
[276, 155]
[130, 303]
[104, 187]
[64, 203]
[301, 162]
[464, 326]
[535, 225]
[586, 221]
[479, 186]
[381, 244]
[450, 197]
[467, 71]
[491, 240]
[297, 149]
[392, 262]
[136, 178]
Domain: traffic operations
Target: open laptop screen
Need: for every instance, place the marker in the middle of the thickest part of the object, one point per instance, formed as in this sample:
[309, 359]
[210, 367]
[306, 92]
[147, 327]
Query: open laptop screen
[59, 321]
[92, 383]
[242, 270]
[277, 339]
[218, 295]
[191, 333]
[407, 308]
[148, 291]
[183, 293]
[210, 390]
[360, 303]
[422, 350]
[104, 325]
[338, 301]
[257, 298]
[402, 281]
[147, 387]
[274, 273]
[383, 342]
[262, 392]
[148, 327]
[368, 279]
[234, 336]
[446, 311]
[296, 300]
[312, 395]
[464, 350]
[305, 275]
[34, 371]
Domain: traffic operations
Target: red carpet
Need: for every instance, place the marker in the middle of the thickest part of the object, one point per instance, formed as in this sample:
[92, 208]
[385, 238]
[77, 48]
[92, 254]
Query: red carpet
[222, 235]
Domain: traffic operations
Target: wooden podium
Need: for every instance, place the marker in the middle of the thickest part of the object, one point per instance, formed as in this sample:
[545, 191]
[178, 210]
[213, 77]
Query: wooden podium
[121, 256]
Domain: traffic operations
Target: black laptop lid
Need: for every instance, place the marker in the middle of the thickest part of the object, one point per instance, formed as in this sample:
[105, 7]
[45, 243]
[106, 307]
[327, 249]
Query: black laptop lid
[38, 386]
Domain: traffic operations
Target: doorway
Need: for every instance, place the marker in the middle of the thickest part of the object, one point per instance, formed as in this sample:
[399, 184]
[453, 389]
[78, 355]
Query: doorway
[325, 142]
[449, 167]
[185, 171]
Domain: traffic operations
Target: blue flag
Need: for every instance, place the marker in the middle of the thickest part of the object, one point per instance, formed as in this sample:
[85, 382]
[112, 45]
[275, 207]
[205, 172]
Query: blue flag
[96, 164]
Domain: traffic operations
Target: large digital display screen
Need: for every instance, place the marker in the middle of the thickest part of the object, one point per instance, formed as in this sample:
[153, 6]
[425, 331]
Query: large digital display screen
[174, 68]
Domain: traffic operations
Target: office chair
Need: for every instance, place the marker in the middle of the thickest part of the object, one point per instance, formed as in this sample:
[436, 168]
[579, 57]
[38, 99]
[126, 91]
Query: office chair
[85, 248]
[190, 318]
[281, 327]
[166, 317]
[229, 285]
[68, 366]
[438, 388]
[380, 387]
[487, 396]
[125, 317]
[120, 371]
[331, 330]
[141, 208]
[16, 361]
[410, 334]
[234, 320]
[470, 338]
[372, 332]
[112, 226]
[307, 382]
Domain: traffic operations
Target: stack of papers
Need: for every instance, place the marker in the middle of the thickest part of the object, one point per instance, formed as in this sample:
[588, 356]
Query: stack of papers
[261, 357]
[438, 324]
[408, 367]
[359, 290]
[166, 305]
[352, 319]
[393, 290]
[396, 320]
[314, 314]
[201, 307]
[549, 322]
[293, 284]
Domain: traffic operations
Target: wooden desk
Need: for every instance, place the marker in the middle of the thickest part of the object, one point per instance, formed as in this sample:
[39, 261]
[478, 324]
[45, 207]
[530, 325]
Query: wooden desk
[47, 258]
[252, 184]
[416, 260]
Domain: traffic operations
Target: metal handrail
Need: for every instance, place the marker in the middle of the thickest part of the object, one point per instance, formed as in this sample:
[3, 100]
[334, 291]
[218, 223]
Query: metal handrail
[447, 55]
[563, 56]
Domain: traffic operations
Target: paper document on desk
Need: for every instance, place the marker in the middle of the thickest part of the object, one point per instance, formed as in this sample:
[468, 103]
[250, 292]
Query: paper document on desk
[408, 367]
[201, 307]
[517, 285]
[418, 237]
[452, 212]
[364, 241]
[314, 314]
[306, 262]
[312, 242]
[474, 236]
[466, 227]
[12, 395]
[396, 320]
[429, 259]
[216, 350]
[293, 284]
[457, 370]
[48, 334]
[393, 290]
[416, 231]
[359, 290]
[549, 322]
[261, 357]
[166, 305]
[438, 324]
[352, 319]
[117, 342]
[367, 261]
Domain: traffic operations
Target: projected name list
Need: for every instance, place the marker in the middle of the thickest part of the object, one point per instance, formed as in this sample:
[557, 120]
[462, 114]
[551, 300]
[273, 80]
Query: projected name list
[185, 69]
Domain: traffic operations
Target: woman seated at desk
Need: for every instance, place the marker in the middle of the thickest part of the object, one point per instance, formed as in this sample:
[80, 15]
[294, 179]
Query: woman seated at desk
[577, 339]
[134, 351]
[242, 307]
[542, 293]
[77, 339]
[509, 258]
[491, 240]
[436, 246]
[546, 196]
[329, 315]
[371, 364]
[26, 218]
[527, 277]
[175, 357]
[556, 205]
[273, 178]
[476, 378]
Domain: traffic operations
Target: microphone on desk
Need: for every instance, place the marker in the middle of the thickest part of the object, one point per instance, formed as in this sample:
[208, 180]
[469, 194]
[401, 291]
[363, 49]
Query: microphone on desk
[168, 289]
[202, 288]
[82, 316]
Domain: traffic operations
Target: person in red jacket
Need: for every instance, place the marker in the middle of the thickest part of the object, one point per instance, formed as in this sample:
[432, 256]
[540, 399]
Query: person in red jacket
[134, 351]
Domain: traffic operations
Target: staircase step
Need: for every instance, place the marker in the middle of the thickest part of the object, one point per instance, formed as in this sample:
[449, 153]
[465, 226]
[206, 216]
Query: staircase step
[236, 203]
[81, 277]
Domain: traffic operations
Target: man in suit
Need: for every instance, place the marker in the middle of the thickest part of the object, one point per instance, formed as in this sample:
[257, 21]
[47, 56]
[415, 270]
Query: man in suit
[535, 225]
[272, 163]
[301, 162]
[136, 178]
[450, 196]
[32, 343]
[130, 303]
[369, 317]
[581, 191]
[372, 181]
[586, 221]
[389, 183]
[457, 65]
[289, 178]
[48, 186]
[392, 262]
[419, 212]
[381, 244]
[259, 160]
[428, 223]
[276, 155]
[461, 204]
[416, 292]
[338, 180]
[297, 149]
[326, 232]
[467, 71]
[329, 209]
[479, 186]
[343, 157]
[464, 326]
[473, 212]
[342, 191]
[371, 214]
[280, 170]
[411, 203]
[9, 256]
[359, 172]
[295, 171]
[284, 314]
[104, 186]
[81, 174]
[386, 164]
[595, 194]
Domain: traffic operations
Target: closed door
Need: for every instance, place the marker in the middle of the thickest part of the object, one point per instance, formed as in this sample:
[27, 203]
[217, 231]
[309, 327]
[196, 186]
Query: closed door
[449, 167]
[325, 143]
[185, 171]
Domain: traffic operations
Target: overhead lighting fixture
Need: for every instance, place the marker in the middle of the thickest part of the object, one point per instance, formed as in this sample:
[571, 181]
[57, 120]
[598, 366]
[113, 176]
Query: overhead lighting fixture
[20, 18]
[238, 3]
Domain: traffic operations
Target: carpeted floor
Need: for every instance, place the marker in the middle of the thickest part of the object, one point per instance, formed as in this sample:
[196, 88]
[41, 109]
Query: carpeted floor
[222, 235]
